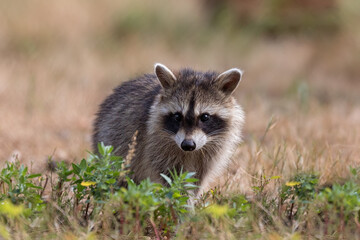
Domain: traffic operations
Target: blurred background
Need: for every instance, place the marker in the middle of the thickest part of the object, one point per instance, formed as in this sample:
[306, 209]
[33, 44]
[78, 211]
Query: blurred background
[300, 91]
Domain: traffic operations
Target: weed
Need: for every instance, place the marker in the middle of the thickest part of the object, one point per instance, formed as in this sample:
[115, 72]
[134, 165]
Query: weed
[21, 187]
[90, 199]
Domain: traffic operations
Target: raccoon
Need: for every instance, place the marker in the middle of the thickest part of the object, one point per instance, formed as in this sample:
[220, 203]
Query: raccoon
[186, 120]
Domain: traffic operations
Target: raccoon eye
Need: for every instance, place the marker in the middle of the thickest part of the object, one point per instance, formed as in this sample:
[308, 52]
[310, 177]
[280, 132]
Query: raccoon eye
[205, 117]
[177, 116]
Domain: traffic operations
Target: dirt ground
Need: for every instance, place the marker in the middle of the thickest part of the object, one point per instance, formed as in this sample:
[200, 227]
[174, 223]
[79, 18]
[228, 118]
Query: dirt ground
[60, 59]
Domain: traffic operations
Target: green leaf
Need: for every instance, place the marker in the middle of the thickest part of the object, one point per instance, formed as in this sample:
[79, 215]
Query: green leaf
[80, 187]
[76, 168]
[169, 195]
[111, 181]
[353, 171]
[83, 164]
[166, 178]
[183, 199]
[190, 174]
[34, 175]
[176, 195]
[190, 185]
[34, 186]
[101, 148]
[192, 180]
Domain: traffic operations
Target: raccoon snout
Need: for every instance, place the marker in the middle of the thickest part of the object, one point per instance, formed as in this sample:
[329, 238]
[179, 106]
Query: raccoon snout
[188, 145]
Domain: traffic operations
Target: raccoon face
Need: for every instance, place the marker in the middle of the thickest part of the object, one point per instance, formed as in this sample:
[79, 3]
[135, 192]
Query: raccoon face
[195, 108]
[192, 132]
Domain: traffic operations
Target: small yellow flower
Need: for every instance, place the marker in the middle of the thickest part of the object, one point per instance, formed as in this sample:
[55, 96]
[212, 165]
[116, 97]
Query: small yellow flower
[11, 210]
[217, 211]
[275, 177]
[292, 184]
[86, 184]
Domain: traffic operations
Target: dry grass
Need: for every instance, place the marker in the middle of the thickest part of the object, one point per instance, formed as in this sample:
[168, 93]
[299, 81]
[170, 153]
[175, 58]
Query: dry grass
[59, 59]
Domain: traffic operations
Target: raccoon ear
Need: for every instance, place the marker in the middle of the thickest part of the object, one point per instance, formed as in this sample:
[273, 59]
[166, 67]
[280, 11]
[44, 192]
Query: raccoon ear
[165, 76]
[229, 80]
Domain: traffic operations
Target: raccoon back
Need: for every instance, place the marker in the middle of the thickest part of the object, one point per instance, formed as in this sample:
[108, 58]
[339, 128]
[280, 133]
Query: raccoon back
[124, 112]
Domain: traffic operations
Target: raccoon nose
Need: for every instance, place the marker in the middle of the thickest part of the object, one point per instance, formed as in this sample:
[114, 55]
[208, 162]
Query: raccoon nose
[188, 145]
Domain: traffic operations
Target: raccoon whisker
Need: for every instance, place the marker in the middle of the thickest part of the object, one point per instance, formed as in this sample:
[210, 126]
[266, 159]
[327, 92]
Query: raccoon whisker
[213, 148]
[216, 141]
[221, 131]
[210, 150]
[202, 151]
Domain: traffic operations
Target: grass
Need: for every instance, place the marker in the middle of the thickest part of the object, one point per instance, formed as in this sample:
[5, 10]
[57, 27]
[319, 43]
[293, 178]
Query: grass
[299, 92]
[90, 201]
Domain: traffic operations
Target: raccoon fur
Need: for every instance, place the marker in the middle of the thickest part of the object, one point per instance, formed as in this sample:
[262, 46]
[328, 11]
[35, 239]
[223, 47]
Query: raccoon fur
[186, 120]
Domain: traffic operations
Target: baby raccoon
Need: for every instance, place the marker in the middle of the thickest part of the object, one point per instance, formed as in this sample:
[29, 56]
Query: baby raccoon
[185, 120]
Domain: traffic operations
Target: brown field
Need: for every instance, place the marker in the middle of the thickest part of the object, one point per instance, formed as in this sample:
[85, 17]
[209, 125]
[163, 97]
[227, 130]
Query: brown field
[60, 59]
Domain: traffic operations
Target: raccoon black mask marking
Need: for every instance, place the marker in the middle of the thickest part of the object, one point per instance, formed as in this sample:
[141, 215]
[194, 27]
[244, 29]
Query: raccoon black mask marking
[191, 122]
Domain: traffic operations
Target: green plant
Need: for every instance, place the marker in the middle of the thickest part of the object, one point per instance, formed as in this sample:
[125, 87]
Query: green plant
[340, 203]
[21, 187]
[97, 198]
[96, 178]
[303, 186]
[298, 193]
[174, 198]
[131, 209]
[98, 175]
[148, 204]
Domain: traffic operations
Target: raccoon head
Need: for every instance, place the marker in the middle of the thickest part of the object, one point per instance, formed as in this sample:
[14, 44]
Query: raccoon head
[196, 109]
